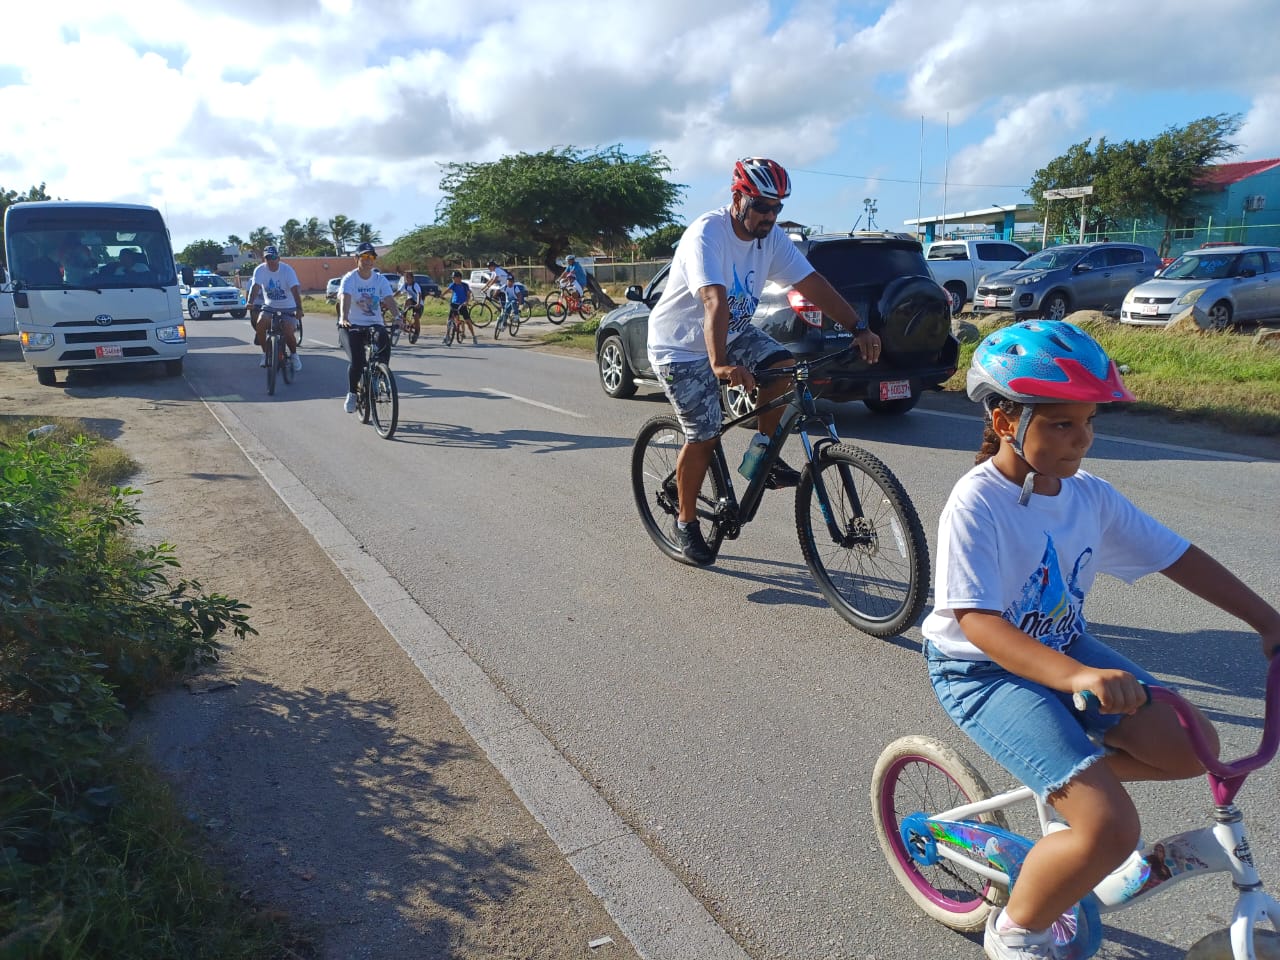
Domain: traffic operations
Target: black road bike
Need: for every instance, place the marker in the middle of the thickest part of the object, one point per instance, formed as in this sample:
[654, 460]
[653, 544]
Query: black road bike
[377, 398]
[859, 532]
[278, 359]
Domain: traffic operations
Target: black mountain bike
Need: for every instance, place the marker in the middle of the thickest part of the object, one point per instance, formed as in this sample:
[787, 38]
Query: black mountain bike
[377, 398]
[858, 529]
[278, 359]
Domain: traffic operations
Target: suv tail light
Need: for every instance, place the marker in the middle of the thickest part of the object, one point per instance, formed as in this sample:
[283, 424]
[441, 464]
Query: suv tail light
[807, 311]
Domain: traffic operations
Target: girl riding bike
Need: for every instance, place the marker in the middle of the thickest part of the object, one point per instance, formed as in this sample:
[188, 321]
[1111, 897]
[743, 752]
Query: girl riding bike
[1021, 539]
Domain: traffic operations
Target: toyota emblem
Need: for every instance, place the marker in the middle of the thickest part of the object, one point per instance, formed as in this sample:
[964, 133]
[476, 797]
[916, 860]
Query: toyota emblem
[103, 319]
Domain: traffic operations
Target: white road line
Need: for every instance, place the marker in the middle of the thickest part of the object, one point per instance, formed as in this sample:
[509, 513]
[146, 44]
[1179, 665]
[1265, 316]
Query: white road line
[657, 912]
[534, 403]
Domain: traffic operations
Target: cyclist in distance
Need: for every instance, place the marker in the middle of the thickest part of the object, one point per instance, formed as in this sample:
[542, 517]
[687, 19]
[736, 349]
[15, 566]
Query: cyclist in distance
[459, 294]
[700, 331]
[1021, 539]
[574, 276]
[413, 297]
[497, 280]
[276, 284]
[512, 300]
[365, 296]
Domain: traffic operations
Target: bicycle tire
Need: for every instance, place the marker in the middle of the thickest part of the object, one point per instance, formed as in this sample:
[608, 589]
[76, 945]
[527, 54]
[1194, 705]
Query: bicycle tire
[653, 465]
[586, 307]
[273, 352]
[920, 775]
[362, 397]
[450, 329]
[384, 407]
[878, 583]
[497, 327]
[513, 323]
[556, 310]
[1217, 946]
[394, 330]
[482, 314]
[285, 361]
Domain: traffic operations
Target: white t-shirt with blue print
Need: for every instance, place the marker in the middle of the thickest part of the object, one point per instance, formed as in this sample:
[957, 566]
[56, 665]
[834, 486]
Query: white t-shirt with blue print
[1036, 564]
[710, 253]
[366, 297]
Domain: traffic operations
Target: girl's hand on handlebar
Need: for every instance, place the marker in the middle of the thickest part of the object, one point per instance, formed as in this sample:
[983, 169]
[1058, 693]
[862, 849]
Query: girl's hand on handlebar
[736, 377]
[1116, 691]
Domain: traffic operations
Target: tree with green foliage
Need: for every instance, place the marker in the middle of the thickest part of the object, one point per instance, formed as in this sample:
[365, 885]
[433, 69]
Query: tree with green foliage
[205, 254]
[260, 239]
[343, 230]
[8, 197]
[1156, 179]
[366, 234]
[563, 199]
[660, 244]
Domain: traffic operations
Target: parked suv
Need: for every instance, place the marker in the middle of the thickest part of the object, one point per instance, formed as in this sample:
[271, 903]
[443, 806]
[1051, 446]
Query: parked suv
[884, 276]
[1058, 280]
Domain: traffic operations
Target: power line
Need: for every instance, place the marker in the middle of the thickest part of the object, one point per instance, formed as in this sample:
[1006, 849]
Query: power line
[936, 183]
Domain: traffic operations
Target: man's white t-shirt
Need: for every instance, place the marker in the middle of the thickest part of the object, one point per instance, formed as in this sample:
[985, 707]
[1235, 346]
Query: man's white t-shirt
[366, 297]
[710, 253]
[1036, 564]
[277, 285]
[500, 275]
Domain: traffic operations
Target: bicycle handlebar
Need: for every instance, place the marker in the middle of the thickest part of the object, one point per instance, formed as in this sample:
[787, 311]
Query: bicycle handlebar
[1270, 725]
[777, 373]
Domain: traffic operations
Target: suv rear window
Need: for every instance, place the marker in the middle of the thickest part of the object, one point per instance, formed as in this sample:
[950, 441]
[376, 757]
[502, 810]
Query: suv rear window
[854, 264]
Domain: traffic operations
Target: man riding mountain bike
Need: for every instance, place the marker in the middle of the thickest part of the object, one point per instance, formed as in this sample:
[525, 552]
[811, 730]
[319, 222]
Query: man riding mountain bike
[700, 332]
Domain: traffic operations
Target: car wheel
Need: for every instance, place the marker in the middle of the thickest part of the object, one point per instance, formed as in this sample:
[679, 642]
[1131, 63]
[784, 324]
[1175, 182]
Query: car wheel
[1220, 315]
[616, 376]
[193, 311]
[955, 293]
[46, 376]
[173, 368]
[1055, 306]
[738, 403]
[892, 408]
[239, 314]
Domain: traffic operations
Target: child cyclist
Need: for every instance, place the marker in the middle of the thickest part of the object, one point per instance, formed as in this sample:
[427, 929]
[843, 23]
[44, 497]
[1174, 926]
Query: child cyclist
[459, 294]
[513, 300]
[1021, 539]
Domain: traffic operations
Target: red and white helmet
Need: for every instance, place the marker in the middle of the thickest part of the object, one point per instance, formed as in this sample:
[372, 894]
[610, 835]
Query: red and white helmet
[758, 177]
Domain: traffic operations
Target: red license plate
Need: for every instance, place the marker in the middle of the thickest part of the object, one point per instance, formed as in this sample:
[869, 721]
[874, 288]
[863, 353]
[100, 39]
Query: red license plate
[989, 302]
[102, 353]
[895, 389]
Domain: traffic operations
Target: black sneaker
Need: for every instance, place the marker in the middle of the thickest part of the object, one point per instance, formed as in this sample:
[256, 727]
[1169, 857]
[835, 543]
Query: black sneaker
[693, 548]
[782, 475]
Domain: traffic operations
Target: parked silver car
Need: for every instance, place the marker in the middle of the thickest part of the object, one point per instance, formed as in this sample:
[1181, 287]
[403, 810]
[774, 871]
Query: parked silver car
[1058, 280]
[1230, 285]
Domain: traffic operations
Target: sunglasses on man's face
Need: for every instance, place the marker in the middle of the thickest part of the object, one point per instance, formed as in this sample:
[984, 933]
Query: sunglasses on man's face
[762, 206]
[368, 256]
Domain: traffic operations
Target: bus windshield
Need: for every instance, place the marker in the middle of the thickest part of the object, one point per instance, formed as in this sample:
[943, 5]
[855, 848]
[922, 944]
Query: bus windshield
[95, 250]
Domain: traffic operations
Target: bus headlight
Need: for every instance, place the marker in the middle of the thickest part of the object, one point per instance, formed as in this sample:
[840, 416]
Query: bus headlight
[36, 341]
[174, 334]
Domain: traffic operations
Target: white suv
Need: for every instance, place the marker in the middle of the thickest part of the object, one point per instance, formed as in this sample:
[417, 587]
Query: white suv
[210, 294]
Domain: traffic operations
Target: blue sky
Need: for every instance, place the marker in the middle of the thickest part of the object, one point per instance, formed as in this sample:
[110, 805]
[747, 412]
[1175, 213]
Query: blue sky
[252, 113]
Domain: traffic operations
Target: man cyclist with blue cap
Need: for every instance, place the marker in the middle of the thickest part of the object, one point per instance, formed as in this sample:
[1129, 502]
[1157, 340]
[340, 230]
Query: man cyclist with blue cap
[277, 284]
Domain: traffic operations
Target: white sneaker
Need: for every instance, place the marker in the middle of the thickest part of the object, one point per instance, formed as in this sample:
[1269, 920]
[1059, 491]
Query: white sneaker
[297, 363]
[350, 405]
[1017, 944]
[263, 361]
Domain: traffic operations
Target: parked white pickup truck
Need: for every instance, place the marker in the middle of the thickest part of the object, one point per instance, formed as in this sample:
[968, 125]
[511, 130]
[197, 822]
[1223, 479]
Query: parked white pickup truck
[958, 265]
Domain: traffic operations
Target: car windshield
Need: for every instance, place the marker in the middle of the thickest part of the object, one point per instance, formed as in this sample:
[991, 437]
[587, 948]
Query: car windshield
[207, 280]
[1053, 258]
[1200, 266]
[88, 255]
[866, 263]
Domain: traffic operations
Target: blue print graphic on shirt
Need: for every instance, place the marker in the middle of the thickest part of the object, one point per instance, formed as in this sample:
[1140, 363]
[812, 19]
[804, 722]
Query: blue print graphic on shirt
[274, 290]
[1048, 609]
[742, 302]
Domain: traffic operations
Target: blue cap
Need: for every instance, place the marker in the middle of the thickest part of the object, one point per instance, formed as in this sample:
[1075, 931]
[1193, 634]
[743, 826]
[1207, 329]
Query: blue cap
[366, 247]
[270, 252]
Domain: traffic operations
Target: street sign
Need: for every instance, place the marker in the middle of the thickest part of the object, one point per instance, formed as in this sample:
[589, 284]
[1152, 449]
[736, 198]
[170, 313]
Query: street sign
[1066, 193]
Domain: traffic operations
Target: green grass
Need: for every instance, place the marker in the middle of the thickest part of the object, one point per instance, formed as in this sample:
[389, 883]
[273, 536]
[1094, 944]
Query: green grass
[1217, 377]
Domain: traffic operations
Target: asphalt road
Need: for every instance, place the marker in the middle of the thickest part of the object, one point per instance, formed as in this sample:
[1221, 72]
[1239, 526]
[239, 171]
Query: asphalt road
[727, 714]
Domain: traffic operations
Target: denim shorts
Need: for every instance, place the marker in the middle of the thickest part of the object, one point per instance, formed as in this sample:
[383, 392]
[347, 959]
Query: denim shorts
[694, 391]
[1030, 730]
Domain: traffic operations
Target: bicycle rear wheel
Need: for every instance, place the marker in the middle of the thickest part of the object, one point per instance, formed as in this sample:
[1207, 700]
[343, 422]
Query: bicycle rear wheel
[921, 775]
[385, 405]
[284, 360]
[653, 483]
[876, 573]
[273, 353]
[556, 310]
[482, 314]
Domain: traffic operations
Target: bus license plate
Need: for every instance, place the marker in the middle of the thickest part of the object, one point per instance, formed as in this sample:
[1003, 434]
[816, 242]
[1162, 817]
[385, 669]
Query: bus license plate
[110, 350]
[895, 389]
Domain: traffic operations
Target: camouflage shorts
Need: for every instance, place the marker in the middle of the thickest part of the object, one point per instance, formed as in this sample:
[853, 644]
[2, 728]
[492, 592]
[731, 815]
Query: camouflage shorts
[694, 391]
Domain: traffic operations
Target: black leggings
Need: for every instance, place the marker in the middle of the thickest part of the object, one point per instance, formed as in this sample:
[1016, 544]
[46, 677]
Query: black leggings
[353, 340]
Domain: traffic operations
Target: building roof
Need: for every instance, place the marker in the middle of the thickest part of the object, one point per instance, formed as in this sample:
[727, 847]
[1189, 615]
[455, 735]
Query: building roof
[1222, 175]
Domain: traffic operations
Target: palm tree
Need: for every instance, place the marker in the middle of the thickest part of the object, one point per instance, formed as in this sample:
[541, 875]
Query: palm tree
[366, 234]
[313, 234]
[258, 240]
[343, 230]
[291, 237]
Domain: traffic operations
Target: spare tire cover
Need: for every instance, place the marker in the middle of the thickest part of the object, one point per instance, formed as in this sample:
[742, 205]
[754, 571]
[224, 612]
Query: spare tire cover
[915, 320]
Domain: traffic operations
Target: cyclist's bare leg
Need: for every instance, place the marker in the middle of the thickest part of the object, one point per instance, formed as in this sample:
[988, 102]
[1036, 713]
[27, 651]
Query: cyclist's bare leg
[290, 328]
[263, 326]
[769, 391]
[691, 469]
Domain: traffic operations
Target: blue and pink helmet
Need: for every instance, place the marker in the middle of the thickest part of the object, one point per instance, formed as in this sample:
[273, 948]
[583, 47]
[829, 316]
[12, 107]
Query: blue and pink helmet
[1044, 361]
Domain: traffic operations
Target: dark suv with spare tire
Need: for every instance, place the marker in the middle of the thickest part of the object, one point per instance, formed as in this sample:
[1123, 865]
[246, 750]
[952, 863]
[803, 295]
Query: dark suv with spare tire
[884, 276]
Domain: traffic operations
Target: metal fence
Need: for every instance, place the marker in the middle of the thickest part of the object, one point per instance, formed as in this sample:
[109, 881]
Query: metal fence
[1181, 239]
[616, 274]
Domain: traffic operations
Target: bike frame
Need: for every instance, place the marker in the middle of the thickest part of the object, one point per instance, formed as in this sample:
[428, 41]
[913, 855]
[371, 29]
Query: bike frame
[801, 415]
[1220, 848]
